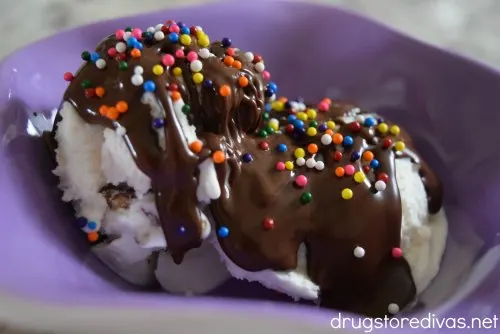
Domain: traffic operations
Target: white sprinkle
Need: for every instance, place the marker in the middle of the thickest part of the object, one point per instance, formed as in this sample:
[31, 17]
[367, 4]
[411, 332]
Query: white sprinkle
[121, 47]
[260, 67]
[326, 139]
[393, 308]
[248, 56]
[301, 106]
[359, 252]
[100, 63]
[272, 98]
[204, 53]
[138, 70]
[311, 163]
[127, 35]
[196, 66]
[151, 29]
[121, 131]
[158, 26]
[300, 161]
[159, 35]
[137, 80]
[360, 119]
[198, 28]
[320, 165]
[380, 185]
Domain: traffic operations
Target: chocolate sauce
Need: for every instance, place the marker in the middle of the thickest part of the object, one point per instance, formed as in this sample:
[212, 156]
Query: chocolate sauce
[254, 192]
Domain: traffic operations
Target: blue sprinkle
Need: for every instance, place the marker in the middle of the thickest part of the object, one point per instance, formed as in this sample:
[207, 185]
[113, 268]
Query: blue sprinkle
[131, 41]
[223, 232]
[268, 93]
[348, 141]
[182, 229]
[355, 156]
[298, 124]
[370, 121]
[380, 120]
[374, 163]
[82, 222]
[92, 225]
[185, 30]
[208, 83]
[94, 56]
[247, 157]
[173, 37]
[158, 123]
[139, 46]
[149, 86]
[323, 127]
[226, 42]
[291, 119]
[288, 105]
[282, 148]
[300, 131]
[181, 24]
[268, 107]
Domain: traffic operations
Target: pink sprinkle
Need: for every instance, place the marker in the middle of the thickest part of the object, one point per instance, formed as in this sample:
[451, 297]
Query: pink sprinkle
[137, 33]
[119, 34]
[301, 181]
[280, 166]
[192, 56]
[179, 53]
[397, 252]
[266, 75]
[230, 52]
[112, 52]
[323, 106]
[349, 169]
[168, 60]
[174, 28]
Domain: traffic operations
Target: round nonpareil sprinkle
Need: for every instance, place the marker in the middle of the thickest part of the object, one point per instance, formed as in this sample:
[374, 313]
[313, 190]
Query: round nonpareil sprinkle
[299, 153]
[347, 194]
[310, 163]
[349, 169]
[399, 146]
[326, 139]
[300, 162]
[248, 56]
[177, 71]
[223, 232]
[374, 163]
[394, 130]
[289, 165]
[247, 157]
[185, 40]
[368, 156]
[301, 181]
[218, 157]
[137, 80]
[280, 166]
[100, 64]
[196, 66]
[397, 252]
[339, 171]
[311, 132]
[393, 308]
[175, 95]
[198, 78]
[282, 148]
[330, 124]
[260, 67]
[306, 198]
[100, 91]
[359, 252]
[121, 47]
[338, 138]
[359, 177]
[268, 223]
[320, 165]
[121, 106]
[348, 141]
[158, 70]
[204, 53]
[158, 123]
[380, 185]
[243, 81]
[159, 36]
[387, 143]
[383, 128]
[337, 156]
[139, 70]
[312, 148]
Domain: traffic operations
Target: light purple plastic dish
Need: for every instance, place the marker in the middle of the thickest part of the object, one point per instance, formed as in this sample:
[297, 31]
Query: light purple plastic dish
[449, 104]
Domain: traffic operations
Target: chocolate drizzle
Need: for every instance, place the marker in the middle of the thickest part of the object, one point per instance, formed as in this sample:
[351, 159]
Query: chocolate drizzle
[329, 226]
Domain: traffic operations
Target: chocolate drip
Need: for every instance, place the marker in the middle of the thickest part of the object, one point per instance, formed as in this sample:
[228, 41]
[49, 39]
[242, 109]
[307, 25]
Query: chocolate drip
[254, 193]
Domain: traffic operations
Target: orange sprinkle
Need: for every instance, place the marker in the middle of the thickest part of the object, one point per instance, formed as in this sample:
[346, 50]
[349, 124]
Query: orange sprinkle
[243, 81]
[112, 113]
[135, 53]
[339, 171]
[327, 100]
[329, 132]
[103, 110]
[312, 148]
[237, 64]
[99, 91]
[338, 138]
[368, 156]
[228, 60]
[93, 236]
[219, 157]
[225, 90]
[196, 146]
[175, 95]
[283, 99]
[121, 106]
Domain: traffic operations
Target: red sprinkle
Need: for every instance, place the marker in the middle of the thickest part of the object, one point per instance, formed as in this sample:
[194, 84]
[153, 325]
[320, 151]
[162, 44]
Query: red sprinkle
[68, 76]
[366, 168]
[289, 128]
[112, 52]
[257, 58]
[337, 155]
[230, 52]
[173, 87]
[264, 145]
[383, 177]
[268, 223]
[355, 126]
[397, 252]
[165, 30]
[192, 30]
[387, 142]
[122, 56]
[90, 92]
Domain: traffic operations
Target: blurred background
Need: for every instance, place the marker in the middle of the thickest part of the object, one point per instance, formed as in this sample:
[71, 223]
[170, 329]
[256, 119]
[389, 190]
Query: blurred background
[468, 26]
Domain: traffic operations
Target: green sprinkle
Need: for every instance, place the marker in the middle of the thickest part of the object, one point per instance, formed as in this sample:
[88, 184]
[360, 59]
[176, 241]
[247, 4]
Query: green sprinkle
[269, 130]
[128, 29]
[86, 84]
[313, 124]
[306, 198]
[123, 66]
[265, 116]
[85, 55]
[186, 108]
[263, 133]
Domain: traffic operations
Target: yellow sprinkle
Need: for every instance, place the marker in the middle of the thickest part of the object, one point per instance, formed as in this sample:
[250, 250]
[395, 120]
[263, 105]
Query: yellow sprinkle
[198, 78]
[311, 113]
[203, 40]
[278, 105]
[347, 193]
[330, 124]
[289, 165]
[395, 130]
[359, 177]
[383, 128]
[299, 153]
[399, 146]
[274, 124]
[301, 115]
[158, 70]
[177, 71]
[312, 131]
[185, 39]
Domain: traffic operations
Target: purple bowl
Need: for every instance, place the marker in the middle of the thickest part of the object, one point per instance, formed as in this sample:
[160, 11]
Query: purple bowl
[312, 51]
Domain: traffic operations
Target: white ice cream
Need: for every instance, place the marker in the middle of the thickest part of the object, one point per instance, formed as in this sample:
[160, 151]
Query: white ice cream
[90, 156]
